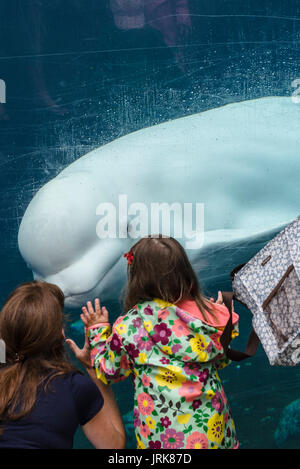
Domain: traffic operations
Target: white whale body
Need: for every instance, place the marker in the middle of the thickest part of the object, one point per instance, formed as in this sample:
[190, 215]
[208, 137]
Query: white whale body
[242, 161]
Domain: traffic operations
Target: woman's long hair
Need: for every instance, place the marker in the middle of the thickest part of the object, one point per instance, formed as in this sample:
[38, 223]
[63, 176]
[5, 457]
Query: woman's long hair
[31, 325]
[161, 269]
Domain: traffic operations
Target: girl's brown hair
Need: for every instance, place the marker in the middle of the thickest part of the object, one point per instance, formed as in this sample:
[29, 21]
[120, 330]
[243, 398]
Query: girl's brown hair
[31, 325]
[161, 269]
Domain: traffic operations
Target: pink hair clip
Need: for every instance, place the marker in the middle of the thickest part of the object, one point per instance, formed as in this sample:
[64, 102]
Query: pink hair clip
[129, 257]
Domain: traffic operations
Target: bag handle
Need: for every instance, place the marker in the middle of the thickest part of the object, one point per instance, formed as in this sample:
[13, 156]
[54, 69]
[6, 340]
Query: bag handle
[236, 270]
[225, 339]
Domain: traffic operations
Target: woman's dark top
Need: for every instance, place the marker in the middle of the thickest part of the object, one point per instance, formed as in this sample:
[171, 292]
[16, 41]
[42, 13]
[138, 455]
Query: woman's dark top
[70, 400]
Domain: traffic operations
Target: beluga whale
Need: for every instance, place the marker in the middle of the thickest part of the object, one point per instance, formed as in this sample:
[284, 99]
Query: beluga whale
[236, 168]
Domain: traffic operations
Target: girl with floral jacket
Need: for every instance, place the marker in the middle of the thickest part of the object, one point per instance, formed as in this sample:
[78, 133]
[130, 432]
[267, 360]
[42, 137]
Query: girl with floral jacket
[169, 342]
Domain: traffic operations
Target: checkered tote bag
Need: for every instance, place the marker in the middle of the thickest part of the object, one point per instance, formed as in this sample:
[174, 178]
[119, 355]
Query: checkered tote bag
[269, 285]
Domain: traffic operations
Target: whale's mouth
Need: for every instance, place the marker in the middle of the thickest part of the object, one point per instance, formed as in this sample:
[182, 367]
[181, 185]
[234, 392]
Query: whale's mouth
[71, 297]
[75, 298]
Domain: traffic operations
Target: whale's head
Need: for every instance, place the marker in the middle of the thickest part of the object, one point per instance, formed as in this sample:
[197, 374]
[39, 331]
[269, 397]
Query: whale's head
[240, 161]
[58, 240]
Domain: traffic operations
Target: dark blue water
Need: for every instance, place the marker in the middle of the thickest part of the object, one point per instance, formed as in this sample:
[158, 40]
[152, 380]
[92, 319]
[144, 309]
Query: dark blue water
[80, 73]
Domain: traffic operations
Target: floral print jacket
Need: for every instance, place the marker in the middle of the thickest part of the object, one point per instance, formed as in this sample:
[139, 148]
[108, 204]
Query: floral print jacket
[173, 358]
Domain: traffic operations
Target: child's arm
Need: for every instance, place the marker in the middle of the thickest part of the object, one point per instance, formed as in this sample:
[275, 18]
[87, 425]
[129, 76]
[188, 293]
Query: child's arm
[108, 355]
[223, 361]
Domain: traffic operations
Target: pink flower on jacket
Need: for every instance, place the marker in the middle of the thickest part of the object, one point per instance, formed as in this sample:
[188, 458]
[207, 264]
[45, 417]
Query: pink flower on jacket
[132, 351]
[196, 370]
[180, 328]
[154, 444]
[162, 334]
[164, 361]
[172, 439]
[145, 403]
[144, 430]
[175, 348]
[196, 404]
[217, 402]
[136, 418]
[137, 322]
[203, 375]
[216, 340]
[148, 310]
[191, 369]
[165, 421]
[115, 343]
[146, 380]
[143, 340]
[190, 390]
[93, 355]
[124, 363]
[224, 396]
[163, 314]
[197, 440]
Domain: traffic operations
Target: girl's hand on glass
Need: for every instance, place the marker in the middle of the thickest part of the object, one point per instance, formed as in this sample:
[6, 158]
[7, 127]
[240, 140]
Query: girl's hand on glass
[219, 300]
[94, 315]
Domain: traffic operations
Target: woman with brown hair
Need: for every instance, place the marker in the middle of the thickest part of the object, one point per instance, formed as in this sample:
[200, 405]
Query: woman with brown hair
[169, 341]
[43, 397]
